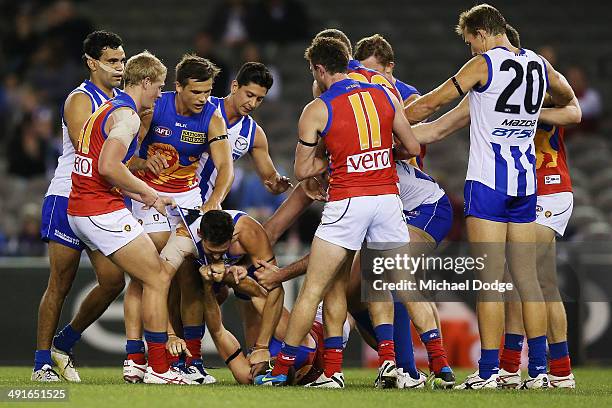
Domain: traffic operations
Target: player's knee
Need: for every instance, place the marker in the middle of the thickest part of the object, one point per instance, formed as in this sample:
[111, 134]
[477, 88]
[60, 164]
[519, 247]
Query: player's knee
[113, 287]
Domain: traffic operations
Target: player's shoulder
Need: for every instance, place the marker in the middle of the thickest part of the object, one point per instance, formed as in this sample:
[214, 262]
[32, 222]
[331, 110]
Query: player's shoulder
[405, 90]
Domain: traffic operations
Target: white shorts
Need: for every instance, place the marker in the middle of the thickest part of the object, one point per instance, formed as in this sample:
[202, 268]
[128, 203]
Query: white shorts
[377, 219]
[153, 221]
[106, 233]
[555, 210]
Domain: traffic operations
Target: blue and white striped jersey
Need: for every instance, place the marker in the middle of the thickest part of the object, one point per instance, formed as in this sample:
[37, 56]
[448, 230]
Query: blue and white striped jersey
[241, 135]
[504, 115]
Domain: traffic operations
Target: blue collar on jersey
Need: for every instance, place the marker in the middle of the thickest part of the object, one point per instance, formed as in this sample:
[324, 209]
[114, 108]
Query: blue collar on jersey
[354, 64]
[224, 114]
[126, 100]
[521, 52]
[88, 83]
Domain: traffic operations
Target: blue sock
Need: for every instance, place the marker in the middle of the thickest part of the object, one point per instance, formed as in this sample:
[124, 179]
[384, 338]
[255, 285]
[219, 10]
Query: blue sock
[275, 346]
[488, 363]
[537, 356]
[558, 350]
[156, 337]
[289, 351]
[66, 339]
[333, 342]
[193, 332]
[42, 357]
[513, 341]
[134, 347]
[430, 335]
[404, 352]
[384, 332]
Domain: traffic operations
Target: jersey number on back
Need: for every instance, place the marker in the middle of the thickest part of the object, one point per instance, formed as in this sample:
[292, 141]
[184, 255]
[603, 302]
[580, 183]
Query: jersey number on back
[502, 104]
[366, 128]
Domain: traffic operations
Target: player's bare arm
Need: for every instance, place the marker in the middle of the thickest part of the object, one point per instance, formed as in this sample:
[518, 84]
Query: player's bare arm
[453, 120]
[121, 127]
[225, 342]
[270, 275]
[571, 114]
[255, 242]
[273, 181]
[311, 123]
[77, 110]
[474, 72]
[401, 128]
[221, 154]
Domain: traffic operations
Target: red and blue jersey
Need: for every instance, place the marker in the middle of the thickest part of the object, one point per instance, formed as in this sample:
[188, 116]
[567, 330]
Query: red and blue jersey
[358, 137]
[181, 140]
[405, 90]
[91, 194]
[551, 163]
[360, 73]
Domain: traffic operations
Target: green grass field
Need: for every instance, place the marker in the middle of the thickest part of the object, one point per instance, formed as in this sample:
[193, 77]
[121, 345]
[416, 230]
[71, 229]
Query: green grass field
[104, 387]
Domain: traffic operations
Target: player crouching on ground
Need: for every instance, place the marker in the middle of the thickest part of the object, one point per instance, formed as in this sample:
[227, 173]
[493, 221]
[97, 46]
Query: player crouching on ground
[218, 240]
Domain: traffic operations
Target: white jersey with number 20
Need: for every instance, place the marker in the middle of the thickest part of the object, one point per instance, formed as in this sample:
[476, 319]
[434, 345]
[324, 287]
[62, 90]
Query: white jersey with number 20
[504, 114]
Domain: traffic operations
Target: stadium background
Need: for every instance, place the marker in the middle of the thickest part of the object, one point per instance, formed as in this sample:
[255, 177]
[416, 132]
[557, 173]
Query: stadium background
[40, 64]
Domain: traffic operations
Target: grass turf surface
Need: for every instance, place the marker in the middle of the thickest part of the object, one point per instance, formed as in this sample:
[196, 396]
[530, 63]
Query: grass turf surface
[105, 387]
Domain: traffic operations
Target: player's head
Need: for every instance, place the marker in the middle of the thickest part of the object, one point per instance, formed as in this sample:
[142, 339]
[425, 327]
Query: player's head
[327, 57]
[216, 230]
[479, 26]
[104, 57]
[194, 81]
[250, 87]
[513, 36]
[338, 35]
[376, 53]
[147, 72]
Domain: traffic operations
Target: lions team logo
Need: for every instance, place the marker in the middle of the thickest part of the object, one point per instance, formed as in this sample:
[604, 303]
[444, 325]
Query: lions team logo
[548, 214]
[127, 228]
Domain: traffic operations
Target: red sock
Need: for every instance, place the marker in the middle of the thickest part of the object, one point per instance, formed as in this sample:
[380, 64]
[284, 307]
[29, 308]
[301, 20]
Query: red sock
[510, 360]
[386, 351]
[195, 348]
[170, 358]
[436, 354]
[282, 364]
[332, 358]
[138, 358]
[560, 367]
[157, 357]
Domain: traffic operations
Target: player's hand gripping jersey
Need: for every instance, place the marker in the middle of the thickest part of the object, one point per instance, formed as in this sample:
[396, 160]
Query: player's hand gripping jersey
[551, 163]
[504, 114]
[91, 194]
[181, 140]
[358, 138]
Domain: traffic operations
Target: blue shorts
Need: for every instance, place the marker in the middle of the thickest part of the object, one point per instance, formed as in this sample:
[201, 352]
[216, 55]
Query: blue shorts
[435, 219]
[486, 203]
[54, 224]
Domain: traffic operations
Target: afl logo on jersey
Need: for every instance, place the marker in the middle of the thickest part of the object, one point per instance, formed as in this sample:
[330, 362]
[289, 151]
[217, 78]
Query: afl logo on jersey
[162, 131]
[241, 143]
